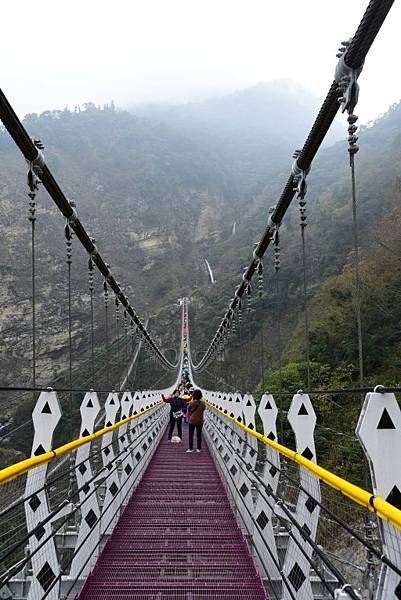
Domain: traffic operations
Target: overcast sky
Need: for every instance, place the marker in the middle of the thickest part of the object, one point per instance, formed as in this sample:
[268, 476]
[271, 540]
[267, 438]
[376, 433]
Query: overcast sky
[56, 53]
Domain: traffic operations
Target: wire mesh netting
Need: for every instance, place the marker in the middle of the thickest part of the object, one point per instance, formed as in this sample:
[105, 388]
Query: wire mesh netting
[49, 515]
[316, 533]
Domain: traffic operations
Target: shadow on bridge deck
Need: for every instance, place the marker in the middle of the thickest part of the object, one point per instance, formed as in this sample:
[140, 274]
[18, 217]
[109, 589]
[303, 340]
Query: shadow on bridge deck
[177, 538]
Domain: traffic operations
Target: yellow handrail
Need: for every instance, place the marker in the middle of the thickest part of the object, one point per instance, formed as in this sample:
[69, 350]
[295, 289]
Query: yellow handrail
[19, 468]
[375, 504]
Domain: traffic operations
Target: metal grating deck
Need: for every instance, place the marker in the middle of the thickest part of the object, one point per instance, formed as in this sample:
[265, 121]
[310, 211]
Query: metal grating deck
[177, 538]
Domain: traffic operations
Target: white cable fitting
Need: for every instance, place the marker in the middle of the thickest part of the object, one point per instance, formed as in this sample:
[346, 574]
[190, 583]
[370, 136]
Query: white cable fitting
[347, 80]
[39, 161]
[94, 252]
[297, 171]
[272, 224]
[73, 218]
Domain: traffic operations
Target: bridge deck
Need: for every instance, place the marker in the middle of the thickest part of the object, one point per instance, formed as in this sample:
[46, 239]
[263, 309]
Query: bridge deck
[178, 538]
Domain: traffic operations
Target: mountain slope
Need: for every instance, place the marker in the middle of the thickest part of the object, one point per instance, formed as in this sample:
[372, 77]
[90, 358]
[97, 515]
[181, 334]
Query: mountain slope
[157, 196]
[163, 190]
[328, 238]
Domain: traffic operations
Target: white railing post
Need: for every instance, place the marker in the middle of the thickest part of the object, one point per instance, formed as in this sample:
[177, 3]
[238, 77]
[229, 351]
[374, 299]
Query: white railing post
[112, 482]
[379, 432]
[268, 411]
[302, 419]
[89, 528]
[127, 465]
[45, 564]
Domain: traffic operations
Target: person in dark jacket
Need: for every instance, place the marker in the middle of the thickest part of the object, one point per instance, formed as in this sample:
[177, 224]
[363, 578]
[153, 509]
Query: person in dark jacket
[196, 408]
[176, 413]
[185, 397]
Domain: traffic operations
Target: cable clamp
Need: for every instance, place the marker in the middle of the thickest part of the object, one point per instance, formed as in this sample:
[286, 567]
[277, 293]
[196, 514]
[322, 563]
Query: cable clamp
[299, 176]
[74, 217]
[346, 79]
[272, 224]
[38, 163]
[256, 256]
[122, 298]
[33, 179]
[94, 252]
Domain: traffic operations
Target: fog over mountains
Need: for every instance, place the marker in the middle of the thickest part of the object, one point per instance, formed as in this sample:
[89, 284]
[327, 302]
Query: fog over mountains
[256, 128]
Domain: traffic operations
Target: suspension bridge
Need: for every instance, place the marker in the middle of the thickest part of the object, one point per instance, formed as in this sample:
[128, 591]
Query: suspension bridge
[119, 512]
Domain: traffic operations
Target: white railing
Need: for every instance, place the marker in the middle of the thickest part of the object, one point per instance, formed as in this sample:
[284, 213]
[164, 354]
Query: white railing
[51, 535]
[309, 540]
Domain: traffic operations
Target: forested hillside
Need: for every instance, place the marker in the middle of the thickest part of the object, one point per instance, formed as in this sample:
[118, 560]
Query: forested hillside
[164, 188]
[329, 243]
[157, 195]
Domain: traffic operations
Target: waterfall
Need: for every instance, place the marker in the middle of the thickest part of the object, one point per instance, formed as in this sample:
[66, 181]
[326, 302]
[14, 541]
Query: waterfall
[209, 268]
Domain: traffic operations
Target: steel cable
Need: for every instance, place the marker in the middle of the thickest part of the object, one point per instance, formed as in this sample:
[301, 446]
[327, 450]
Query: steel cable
[278, 306]
[106, 322]
[369, 27]
[333, 516]
[246, 472]
[98, 520]
[303, 533]
[76, 508]
[68, 242]
[276, 564]
[354, 56]
[34, 156]
[90, 267]
[358, 298]
[33, 182]
[52, 481]
[306, 317]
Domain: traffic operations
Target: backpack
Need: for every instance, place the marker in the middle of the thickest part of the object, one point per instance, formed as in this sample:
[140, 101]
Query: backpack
[176, 406]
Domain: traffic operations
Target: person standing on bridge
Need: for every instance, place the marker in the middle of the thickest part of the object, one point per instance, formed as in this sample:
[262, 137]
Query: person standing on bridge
[196, 408]
[176, 413]
[185, 397]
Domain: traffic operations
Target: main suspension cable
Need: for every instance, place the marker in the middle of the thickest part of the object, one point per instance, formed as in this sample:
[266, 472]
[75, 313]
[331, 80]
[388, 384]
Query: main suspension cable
[38, 167]
[352, 59]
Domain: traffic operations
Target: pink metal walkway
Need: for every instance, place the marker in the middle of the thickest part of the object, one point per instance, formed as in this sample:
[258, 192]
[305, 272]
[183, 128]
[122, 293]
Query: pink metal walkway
[177, 538]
